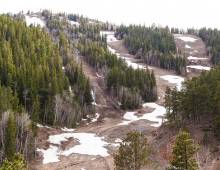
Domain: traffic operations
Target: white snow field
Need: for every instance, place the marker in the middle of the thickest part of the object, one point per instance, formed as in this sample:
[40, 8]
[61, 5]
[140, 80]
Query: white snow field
[177, 80]
[155, 116]
[50, 155]
[185, 38]
[35, 21]
[196, 58]
[199, 67]
[110, 35]
[89, 144]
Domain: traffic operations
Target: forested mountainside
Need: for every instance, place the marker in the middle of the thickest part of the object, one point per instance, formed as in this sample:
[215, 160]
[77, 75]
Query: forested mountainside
[129, 86]
[153, 44]
[212, 39]
[210, 36]
[197, 102]
[34, 86]
[43, 81]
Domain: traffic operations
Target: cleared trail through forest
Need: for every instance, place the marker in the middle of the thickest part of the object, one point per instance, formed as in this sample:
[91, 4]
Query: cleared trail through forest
[105, 105]
[195, 51]
[108, 128]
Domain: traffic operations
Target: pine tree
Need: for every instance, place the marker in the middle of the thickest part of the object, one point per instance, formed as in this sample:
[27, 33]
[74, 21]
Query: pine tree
[88, 94]
[183, 152]
[10, 137]
[133, 152]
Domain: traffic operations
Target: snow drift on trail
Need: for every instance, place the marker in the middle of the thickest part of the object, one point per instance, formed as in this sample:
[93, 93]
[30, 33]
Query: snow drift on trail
[199, 67]
[110, 35]
[127, 60]
[87, 143]
[185, 38]
[196, 58]
[50, 155]
[177, 80]
[155, 116]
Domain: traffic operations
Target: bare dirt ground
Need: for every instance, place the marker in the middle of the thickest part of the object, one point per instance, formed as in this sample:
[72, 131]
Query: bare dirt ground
[107, 126]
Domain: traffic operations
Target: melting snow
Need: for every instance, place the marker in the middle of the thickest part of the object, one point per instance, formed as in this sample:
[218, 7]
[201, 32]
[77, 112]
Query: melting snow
[110, 35]
[199, 67]
[93, 97]
[95, 118]
[118, 140]
[127, 60]
[113, 51]
[34, 21]
[42, 126]
[133, 65]
[67, 130]
[177, 80]
[154, 116]
[89, 144]
[196, 58]
[50, 155]
[185, 38]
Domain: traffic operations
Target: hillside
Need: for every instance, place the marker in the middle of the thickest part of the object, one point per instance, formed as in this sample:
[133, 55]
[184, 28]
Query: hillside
[73, 87]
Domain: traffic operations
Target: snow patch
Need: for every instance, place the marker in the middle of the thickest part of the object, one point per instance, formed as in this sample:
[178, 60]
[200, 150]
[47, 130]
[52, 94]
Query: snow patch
[97, 115]
[199, 67]
[154, 116]
[185, 38]
[35, 21]
[50, 155]
[133, 65]
[118, 140]
[177, 80]
[196, 58]
[42, 126]
[67, 130]
[93, 98]
[89, 144]
[187, 46]
[110, 35]
[127, 60]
